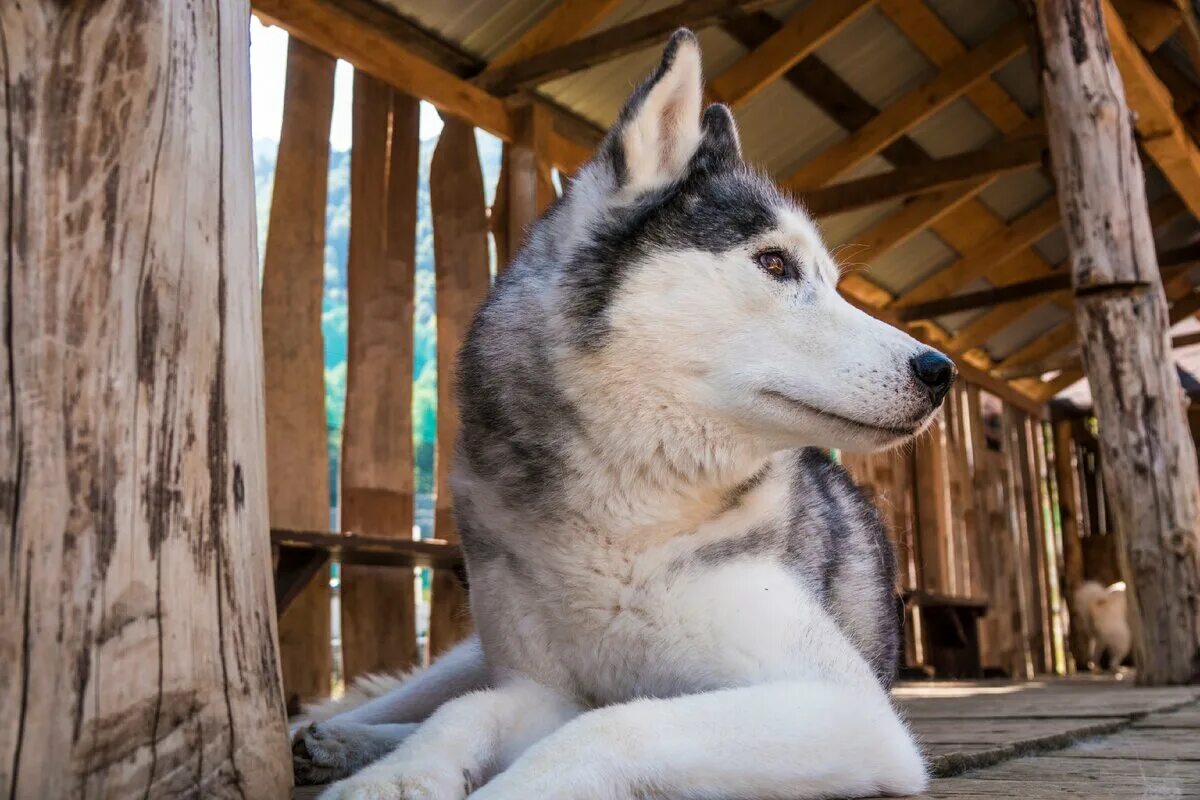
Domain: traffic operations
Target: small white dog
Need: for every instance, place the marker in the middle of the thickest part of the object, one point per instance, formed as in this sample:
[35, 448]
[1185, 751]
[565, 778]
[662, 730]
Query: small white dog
[1101, 614]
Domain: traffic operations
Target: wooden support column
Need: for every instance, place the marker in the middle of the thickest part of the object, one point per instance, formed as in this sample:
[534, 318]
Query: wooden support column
[294, 357]
[378, 603]
[525, 188]
[933, 510]
[137, 619]
[1149, 459]
[461, 263]
[1066, 474]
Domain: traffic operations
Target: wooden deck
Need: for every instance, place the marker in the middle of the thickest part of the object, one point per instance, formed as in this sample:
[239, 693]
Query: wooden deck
[1095, 738]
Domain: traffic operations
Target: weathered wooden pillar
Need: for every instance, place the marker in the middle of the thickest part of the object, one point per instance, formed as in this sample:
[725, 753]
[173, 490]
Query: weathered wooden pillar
[378, 603]
[138, 653]
[525, 188]
[294, 356]
[933, 509]
[1148, 457]
[1066, 476]
[461, 265]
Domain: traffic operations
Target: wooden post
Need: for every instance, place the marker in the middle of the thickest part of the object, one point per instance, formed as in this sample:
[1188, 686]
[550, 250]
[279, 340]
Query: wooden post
[1017, 544]
[294, 356]
[1148, 456]
[525, 188]
[1066, 475]
[378, 603]
[461, 264]
[933, 509]
[137, 621]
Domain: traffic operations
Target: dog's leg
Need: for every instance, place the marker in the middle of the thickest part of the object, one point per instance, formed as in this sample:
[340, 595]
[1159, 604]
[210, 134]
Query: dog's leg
[461, 744]
[345, 743]
[335, 750]
[781, 740]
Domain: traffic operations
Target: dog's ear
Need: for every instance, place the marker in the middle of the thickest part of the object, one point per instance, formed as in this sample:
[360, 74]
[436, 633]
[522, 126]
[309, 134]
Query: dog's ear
[720, 148]
[658, 131]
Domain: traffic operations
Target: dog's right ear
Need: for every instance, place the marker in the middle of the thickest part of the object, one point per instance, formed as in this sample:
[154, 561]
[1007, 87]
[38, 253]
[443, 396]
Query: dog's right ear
[658, 130]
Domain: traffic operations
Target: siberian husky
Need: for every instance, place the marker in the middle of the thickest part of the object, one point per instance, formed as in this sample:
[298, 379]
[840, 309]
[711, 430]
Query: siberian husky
[678, 593]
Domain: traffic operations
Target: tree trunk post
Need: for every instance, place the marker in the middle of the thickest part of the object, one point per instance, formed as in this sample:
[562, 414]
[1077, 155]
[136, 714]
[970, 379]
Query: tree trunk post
[1148, 458]
[137, 618]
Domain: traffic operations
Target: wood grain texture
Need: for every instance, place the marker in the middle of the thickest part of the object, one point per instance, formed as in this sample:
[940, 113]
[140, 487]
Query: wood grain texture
[378, 603]
[294, 356]
[1149, 459]
[137, 621]
[461, 264]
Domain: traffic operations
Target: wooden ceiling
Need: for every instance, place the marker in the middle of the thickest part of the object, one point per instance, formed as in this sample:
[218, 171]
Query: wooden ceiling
[997, 270]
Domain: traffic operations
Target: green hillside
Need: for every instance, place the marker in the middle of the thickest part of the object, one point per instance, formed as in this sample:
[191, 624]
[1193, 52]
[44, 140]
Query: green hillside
[334, 313]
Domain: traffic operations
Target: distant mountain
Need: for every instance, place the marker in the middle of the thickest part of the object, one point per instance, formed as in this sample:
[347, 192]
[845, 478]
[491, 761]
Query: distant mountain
[334, 310]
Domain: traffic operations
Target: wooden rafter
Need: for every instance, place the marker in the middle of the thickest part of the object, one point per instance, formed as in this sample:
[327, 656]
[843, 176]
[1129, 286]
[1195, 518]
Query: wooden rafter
[989, 161]
[619, 40]
[1150, 22]
[395, 51]
[910, 110]
[566, 21]
[1069, 360]
[796, 39]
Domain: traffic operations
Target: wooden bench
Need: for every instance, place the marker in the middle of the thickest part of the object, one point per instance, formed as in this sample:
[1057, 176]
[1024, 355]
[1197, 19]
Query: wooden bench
[949, 632]
[300, 555]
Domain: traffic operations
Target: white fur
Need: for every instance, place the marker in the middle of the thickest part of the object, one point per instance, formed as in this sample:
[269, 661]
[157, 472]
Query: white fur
[1102, 614]
[760, 691]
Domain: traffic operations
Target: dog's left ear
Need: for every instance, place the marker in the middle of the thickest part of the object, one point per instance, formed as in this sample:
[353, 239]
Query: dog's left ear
[658, 131]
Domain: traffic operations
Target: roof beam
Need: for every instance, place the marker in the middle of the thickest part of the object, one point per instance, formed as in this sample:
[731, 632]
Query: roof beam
[566, 21]
[1160, 131]
[394, 50]
[991, 160]
[619, 40]
[911, 110]
[801, 35]
[1070, 360]
[1150, 22]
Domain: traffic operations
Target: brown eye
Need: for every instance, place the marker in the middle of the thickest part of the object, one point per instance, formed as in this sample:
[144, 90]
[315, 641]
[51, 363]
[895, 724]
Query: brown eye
[773, 262]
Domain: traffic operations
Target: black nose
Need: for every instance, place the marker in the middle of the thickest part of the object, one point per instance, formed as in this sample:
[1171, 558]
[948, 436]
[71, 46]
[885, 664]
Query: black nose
[935, 372]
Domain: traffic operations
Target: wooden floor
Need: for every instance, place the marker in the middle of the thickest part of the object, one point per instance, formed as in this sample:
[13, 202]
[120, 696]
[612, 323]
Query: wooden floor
[1094, 738]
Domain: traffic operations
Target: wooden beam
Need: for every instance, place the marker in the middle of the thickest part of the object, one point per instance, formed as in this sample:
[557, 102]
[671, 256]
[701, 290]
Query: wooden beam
[911, 110]
[1150, 22]
[931, 490]
[1149, 457]
[378, 605]
[989, 255]
[619, 40]
[1070, 499]
[460, 254]
[1010, 155]
[392, 49]
[1069, 360]
[1161, 133]
[800, 36]
[294, 356]
[138, 627]
[565, 22]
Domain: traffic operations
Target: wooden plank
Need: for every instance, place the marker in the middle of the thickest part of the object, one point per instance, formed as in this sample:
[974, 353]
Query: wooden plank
[617, 41]
[1150, 22]
[1149, 456]
[933, 509]
[461, 263]
[989, 254]
[294, 356]
[800, 36]
[137, 618]
[366, 549]
[910, 110]
[1142, 744]
[566, 21]
[1066, 473]
[993, 160]
[378, 605]
[525, 189]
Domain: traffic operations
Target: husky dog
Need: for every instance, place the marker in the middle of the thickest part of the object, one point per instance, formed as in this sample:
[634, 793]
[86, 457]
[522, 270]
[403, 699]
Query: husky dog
[1102, 616]
[677, 593]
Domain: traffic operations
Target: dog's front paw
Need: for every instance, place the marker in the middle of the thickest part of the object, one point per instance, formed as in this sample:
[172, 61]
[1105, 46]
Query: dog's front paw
[395, 782]
[330, 751]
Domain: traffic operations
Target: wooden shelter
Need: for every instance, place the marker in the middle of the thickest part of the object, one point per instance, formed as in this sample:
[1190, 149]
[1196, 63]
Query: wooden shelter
[1018, 186]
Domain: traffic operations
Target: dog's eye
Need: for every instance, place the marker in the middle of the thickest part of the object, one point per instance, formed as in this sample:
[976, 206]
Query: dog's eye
[774, 262]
